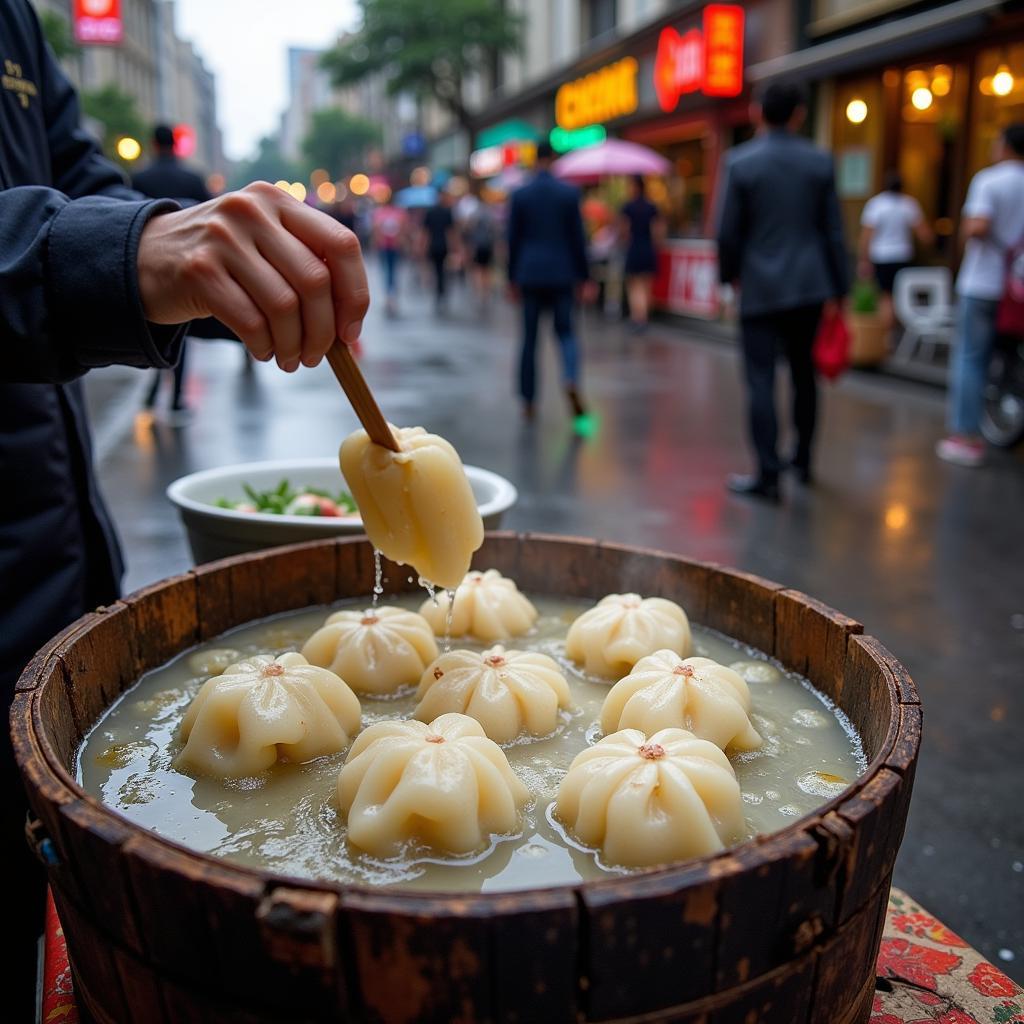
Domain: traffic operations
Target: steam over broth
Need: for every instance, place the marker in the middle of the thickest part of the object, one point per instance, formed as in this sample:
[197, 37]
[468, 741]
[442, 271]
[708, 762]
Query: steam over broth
[286, 819]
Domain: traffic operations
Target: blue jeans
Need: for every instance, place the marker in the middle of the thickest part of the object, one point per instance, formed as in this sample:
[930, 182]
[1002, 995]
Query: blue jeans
[972, 349]
[560, 302]
[389, 257]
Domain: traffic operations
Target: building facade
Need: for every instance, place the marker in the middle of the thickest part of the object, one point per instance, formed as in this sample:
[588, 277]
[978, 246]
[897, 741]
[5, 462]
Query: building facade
[162, 72]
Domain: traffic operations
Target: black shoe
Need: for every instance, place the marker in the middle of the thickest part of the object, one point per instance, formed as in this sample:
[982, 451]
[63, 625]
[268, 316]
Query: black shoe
[578, 408]
[753, 487]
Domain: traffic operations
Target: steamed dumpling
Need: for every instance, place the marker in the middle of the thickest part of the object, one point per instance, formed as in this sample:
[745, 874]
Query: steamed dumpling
[651, 800]
[377, 650]
[609, 639]
[488, 606]
[444, 785]
[507, 692]
[665, 691]
[417, 505]
[264, 709]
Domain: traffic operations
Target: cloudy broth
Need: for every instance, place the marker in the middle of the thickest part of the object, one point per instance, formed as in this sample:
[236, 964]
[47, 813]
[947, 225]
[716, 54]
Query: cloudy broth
[286, 819]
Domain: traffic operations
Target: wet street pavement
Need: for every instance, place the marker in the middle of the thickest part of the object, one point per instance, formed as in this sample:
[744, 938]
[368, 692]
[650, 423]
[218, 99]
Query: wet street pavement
[928, 556]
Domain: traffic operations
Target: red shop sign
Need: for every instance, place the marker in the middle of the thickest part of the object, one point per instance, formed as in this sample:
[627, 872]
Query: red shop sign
[98, 21]
[687, 278]
[707, 59]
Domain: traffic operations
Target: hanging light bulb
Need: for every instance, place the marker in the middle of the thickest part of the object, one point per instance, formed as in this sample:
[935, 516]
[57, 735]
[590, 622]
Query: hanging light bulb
[1002, 81]
[921, 98]
[856, 111]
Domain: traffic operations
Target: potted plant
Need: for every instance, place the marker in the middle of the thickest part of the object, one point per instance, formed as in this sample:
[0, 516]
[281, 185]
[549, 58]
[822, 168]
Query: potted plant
[869, 342]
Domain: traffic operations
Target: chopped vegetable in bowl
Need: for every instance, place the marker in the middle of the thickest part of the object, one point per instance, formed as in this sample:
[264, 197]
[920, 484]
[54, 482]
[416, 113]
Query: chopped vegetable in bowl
[284, 500]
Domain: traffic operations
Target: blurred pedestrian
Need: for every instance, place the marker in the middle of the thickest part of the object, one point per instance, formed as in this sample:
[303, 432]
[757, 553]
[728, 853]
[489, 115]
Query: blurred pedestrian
[889, 223]
[344, 213]
[780, 243]
[388, 231]
[642, 227]
[93, 274]
[438, 226]
[547, 261]
[992, 227]
[167, 178]
[481, 238]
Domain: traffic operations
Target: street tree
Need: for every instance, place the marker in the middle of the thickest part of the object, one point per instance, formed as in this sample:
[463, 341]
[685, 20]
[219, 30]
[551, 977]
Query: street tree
[427, 49]
[117, 112]
[57, 32]
[337, 139]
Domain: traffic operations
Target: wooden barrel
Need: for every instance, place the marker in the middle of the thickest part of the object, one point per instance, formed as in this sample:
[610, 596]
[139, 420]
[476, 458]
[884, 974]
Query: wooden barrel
[784, 928]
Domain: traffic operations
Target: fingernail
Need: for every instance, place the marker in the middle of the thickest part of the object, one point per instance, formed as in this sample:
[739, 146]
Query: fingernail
[353, 331]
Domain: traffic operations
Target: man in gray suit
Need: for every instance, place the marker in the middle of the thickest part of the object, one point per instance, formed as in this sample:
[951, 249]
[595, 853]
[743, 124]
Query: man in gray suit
[780, 242]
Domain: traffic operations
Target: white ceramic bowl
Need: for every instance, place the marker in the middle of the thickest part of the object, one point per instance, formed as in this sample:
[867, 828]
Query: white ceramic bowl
[218, 532]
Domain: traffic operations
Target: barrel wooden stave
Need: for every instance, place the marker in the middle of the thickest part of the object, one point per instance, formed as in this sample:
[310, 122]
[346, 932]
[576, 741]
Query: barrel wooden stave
[216, 942]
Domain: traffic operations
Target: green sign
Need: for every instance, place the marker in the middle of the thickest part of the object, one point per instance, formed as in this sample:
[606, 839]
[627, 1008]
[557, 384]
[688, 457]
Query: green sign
[562, 140]
[506, 131]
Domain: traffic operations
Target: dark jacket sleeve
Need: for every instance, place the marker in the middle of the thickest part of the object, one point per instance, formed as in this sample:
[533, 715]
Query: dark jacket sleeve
[835, 243]
[729, 231]
[69, 293]
[578, 242]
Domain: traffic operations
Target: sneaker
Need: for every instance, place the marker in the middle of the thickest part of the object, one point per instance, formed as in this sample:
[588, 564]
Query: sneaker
[961, 451]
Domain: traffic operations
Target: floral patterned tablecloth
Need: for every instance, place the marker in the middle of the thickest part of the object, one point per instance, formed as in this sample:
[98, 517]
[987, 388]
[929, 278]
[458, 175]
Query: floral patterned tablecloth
[926, 973]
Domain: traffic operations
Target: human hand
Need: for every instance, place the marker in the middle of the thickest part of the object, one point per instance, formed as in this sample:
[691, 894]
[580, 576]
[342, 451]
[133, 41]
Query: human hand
[865, 271]
[284, 277]
[587, 292]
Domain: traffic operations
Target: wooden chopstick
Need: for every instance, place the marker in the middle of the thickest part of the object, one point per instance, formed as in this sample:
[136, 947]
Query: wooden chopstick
[353, 383]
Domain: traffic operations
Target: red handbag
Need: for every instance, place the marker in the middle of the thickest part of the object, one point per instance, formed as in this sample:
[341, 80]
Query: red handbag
[1010, 315]
[831, 350]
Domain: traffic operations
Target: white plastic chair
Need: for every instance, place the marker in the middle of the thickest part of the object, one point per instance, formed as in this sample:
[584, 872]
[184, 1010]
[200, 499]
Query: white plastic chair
[922, 302]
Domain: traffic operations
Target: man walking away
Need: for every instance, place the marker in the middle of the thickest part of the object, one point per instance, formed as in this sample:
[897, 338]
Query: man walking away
[547, 261]
[780, 242]
[992, 227]
[166, 178]
[438, 224]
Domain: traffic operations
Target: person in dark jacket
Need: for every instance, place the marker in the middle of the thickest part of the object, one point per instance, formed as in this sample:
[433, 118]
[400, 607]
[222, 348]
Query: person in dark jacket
[92, 274]
[166, 178]
[547, 262]
[780, 242]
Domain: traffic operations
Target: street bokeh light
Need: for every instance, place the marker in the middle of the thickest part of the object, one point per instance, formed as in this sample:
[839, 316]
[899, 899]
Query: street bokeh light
[128, 148]
[326, 192]
[297, 191]
[359, 184]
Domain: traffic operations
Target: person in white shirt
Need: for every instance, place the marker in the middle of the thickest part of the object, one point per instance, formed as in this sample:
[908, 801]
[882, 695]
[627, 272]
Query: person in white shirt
[992, 225]
[890, 222]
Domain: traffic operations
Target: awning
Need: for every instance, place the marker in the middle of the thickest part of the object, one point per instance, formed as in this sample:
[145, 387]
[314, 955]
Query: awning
[895, 40]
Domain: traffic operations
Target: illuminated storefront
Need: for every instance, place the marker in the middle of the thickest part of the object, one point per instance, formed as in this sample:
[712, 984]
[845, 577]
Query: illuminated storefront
[926, 94]
[679, 86]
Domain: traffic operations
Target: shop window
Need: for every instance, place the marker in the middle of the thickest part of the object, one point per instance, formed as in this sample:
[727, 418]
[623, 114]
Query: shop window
[858, 142]
[997, 100]
[933, 99]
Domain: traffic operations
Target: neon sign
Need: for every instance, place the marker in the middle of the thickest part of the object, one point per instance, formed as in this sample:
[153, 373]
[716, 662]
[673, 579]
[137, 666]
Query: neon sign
[98, 21]
[602, 95]
[707, 59]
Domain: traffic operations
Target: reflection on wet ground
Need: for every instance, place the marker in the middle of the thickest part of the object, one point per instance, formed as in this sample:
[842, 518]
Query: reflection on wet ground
[928, 556]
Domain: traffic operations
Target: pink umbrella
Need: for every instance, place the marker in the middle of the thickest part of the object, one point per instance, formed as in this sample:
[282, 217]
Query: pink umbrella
[613, 156]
